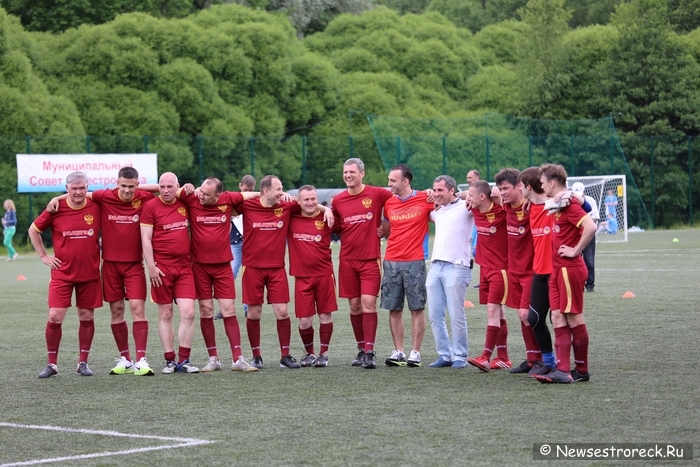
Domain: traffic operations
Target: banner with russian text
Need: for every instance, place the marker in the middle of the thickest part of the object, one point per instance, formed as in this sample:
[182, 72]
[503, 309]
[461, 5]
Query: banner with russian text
[39, 173]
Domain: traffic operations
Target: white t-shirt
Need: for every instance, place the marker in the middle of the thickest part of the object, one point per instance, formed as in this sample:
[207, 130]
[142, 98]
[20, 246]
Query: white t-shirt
[594, 214]
[453, 229]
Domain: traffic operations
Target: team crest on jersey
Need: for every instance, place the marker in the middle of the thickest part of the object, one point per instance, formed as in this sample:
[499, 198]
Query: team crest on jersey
[320, 225]
[520, 215]
[367, 203]
[490, 216]
[557, 215]
[88, 219]
[182, 211]
[136, 203]
[279, 211]
[223, 207]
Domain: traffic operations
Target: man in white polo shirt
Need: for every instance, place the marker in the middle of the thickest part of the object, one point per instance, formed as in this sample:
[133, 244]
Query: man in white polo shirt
[450, 273]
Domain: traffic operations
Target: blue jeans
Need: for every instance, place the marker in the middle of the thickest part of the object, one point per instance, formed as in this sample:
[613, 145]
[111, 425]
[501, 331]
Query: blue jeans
[237, 252]
[446, 285]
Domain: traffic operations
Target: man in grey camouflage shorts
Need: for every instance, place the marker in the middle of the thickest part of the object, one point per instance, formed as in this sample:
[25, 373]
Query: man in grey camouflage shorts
[406, 217]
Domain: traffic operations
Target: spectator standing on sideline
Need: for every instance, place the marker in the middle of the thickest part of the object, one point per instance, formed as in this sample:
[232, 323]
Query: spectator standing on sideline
[589, 251]
[9, 226]
[166, 248]
[75, 265]
[450, 273]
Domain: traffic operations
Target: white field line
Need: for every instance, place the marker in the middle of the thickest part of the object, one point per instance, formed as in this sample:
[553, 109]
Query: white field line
[181, 442]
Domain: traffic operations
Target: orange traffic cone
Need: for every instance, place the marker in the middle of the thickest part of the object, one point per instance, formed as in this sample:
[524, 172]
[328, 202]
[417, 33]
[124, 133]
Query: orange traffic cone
[628, 294]
[468, 304]
[21, 278]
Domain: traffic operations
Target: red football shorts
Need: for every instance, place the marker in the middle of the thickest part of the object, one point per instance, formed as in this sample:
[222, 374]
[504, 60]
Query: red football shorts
[566, 288]
[178, 282]
[123, 280]
[255, 280]
[314, 294]
[519, 288]
[359, 278]
[493, 286]
[87, 294]
[217, 277]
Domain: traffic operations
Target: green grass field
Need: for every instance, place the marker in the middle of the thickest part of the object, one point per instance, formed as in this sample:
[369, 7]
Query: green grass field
[644, 364]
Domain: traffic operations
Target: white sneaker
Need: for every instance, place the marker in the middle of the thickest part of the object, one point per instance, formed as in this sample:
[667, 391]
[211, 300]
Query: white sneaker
[397, 358]
[170, 368]
[242, 365]
[142, 368]
[123, 367]
[413, 358]
[187, 367]
[213, 365]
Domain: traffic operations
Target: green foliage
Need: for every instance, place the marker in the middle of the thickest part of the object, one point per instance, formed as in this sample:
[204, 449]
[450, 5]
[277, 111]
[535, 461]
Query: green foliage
[467, 14]
[500, 43]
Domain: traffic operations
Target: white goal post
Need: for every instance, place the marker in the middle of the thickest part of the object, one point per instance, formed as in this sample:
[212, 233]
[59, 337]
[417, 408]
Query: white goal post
[610, 193]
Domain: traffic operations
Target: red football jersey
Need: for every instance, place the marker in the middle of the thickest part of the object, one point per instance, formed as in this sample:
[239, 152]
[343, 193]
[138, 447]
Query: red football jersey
[567, 231]
[265, 232]
[121, 231]
[492, 246]
[409, 224]
[75, 240]
[520, 247]
[210, 227]
[171, 236]
[309, 241]
[541, 226]
[359, 217]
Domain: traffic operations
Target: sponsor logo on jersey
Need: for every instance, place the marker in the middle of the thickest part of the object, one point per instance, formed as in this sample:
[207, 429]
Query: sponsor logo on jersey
[135, 218]
[89, 219]
[369, 215]
[320, 225]
[176, 225]
[492, 229]
[556, 228]
[211, 219]
[547, 230]
[317, 238]
[123, 219]
[367, 203]
[78, 233]
[521, 230]
[182, 210]
[279, 211]
[136, 203]
[403, 214]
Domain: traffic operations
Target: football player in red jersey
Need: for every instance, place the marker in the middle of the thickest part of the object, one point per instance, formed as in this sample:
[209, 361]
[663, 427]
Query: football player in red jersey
[310, 263]
[492, 256]
[521, 252]
[166, 248]
[572, 231]
[358, 211]
[210, 212]
[75, 265]
[123, 276]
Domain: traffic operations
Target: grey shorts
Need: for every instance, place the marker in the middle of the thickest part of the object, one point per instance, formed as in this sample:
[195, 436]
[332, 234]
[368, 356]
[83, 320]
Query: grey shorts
[403, 279]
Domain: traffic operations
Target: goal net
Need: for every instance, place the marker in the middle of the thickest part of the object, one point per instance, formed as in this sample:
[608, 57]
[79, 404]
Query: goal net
[610, 194]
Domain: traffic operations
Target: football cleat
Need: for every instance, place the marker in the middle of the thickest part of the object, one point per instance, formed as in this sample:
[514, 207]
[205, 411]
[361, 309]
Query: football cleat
[481, 362]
